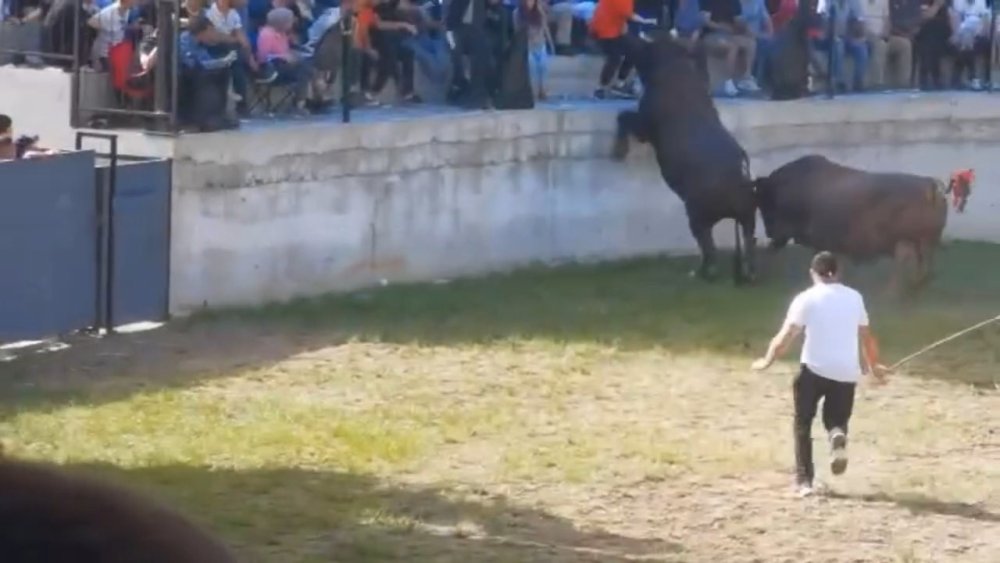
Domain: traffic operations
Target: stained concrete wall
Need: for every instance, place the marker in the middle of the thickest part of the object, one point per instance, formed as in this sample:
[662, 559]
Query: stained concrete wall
[291, 211]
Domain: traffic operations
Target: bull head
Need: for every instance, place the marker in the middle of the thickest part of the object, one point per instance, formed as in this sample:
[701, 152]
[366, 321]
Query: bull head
[960, 188]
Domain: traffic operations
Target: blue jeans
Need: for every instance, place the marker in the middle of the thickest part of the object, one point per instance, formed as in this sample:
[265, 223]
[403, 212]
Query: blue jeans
[764, 47]
[538, 64]
[431, 53]
[857, 49]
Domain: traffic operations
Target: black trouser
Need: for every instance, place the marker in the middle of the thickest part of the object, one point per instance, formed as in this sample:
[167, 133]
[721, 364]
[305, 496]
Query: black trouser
[619, 55]
[472, 43]
[965, 59]
[930, 46]
[393, 62]
[838, 402]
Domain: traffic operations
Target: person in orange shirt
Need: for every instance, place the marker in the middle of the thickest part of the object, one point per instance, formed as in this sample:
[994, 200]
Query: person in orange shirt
[610, 27]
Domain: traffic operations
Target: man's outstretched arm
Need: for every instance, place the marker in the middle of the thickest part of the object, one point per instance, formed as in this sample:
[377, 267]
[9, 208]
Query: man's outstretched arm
[870, 353]
[788, 333]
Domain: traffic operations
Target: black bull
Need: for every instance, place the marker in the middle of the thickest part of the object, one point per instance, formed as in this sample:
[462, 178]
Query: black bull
[862, 215]
[698, 158]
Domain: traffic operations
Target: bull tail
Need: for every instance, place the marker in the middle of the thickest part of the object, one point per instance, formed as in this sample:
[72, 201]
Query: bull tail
[738, 272]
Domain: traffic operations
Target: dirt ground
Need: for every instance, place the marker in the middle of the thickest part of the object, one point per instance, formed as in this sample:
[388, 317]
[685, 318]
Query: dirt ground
[440, 437]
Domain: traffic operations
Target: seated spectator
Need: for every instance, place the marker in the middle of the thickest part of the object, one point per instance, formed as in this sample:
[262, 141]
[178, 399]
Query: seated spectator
[429, 46]
[931, 42]
[971, 41]
[848, 38]
[531, 15]
[784, 10]
[224, 16]
[565, 13]
[380, 32]
[204, 78]
[890, 45]
[724, 34]
[274, 47]
[609, 29]
[757, 21]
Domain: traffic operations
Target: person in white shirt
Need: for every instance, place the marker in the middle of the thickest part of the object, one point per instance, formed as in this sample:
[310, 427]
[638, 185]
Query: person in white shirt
[834, 320]
[111, 24]
[970, 24]
[891, 53]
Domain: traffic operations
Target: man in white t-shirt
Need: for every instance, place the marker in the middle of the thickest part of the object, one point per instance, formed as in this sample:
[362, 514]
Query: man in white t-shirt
[834, 320]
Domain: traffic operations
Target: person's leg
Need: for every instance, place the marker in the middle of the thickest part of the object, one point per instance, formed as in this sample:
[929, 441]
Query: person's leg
[562, 15]
[858, 49]
[981, 48]
[612, 60]
[542, 68]
[805, 396]
[900, 52]
[747, 46]
[407, 73]
[837, 71]
[878, 62]
[838, 404]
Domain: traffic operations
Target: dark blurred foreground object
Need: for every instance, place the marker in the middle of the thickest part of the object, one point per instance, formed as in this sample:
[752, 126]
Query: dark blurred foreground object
[789, 64]
[50, 515]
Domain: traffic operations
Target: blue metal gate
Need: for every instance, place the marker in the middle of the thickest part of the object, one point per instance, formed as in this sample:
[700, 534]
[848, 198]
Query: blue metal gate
[48, 246]
[139, 261]
[81, 245]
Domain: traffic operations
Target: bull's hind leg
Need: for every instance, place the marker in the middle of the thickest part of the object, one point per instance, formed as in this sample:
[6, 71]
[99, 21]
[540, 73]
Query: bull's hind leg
[905, 253]
[629, 124]
[745, 266]
[702, 231]
[925, 263]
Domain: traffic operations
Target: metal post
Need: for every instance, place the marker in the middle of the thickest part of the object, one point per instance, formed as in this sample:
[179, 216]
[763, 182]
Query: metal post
[106, 233]
[831, 13]
[347, 73]
[164, 33]
[175, 76]
[74, 102]
[993, 47]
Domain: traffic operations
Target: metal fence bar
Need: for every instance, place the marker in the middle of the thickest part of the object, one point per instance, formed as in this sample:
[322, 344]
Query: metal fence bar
[106, 235]
[831, 14]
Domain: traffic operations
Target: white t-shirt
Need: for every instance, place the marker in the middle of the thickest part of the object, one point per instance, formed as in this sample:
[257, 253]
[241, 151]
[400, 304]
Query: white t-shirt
[831, 314]
[111, 24]
[225, 22]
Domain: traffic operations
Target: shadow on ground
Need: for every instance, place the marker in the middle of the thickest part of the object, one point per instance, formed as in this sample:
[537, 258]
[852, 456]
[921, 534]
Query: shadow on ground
[299, 516]
[631, 305]
[918, 504]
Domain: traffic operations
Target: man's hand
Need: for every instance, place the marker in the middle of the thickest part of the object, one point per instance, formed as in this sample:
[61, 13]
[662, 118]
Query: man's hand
[761, 364]
[879, 374]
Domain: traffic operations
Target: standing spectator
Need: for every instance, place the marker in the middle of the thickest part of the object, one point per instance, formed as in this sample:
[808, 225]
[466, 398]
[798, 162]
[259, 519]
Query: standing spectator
[533, 17]
[225, 18]
[890, 43]
[204, 79]
[848, 39]
[931, 42]
[755, 17]
[466, 35]
[904, 23]
[274, 47]
[429, 46]
[609, 28]
[564, 14]
[111, 23]
[381, 41]
[725, 36]
[971, 39]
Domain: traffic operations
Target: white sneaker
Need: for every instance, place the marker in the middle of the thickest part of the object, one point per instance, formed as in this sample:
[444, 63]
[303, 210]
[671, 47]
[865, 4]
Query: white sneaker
[805, 490]
[749, 84]
[975, 84]
[838, 451]
[730, 89]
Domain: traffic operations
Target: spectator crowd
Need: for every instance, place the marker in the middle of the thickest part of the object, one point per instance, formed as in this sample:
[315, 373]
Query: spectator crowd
[495, 52]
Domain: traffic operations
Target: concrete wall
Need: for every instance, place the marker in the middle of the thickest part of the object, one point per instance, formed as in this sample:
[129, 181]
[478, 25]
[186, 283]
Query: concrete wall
[300, 210]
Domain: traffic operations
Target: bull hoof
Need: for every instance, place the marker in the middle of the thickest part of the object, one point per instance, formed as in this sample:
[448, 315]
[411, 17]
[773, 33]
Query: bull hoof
[709, 275]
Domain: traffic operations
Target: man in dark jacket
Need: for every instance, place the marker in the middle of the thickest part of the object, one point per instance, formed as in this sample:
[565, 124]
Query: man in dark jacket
[465, 23]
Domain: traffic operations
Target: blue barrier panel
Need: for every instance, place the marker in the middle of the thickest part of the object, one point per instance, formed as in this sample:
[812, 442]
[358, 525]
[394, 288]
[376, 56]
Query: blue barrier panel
[48, 246]
[141, 256]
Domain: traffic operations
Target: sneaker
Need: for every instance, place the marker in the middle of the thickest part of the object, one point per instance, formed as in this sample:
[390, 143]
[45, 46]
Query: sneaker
[975, 84]
[804, 490]
[622, 91]
[601, 93]
[749, 84]
[730, 89]
[838, 453]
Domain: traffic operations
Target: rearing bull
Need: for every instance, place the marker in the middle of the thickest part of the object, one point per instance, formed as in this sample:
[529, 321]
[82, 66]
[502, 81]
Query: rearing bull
[863, 215]
[698, 158]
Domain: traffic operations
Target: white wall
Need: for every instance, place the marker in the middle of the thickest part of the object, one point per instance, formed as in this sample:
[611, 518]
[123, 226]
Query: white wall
[301, 210]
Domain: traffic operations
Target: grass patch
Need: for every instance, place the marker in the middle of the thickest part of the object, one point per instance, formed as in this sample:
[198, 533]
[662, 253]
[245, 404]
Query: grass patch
[570, 414]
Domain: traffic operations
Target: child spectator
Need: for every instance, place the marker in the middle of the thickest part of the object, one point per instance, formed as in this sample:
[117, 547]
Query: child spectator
[533, 17]
[609, 28]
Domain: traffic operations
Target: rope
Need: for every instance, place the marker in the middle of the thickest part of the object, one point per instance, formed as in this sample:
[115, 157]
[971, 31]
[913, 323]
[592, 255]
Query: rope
[926, 349]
